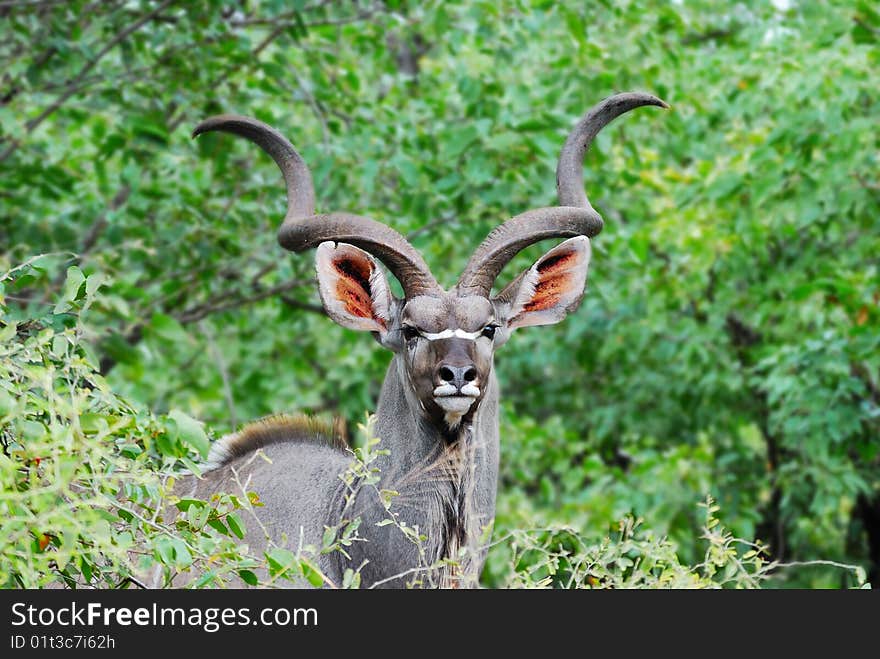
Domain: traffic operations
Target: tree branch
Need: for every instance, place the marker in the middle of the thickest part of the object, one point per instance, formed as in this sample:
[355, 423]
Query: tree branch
[32, 124]
[870, 28]
[302, 306]
[30, 4]
[868, 185]
[217, 357]
[710, 35]
[40, 61]
[221, 304]
[95, 231]
[772, 524]
[100, 224]
[294, 14]
[215, 305]
[425, 228]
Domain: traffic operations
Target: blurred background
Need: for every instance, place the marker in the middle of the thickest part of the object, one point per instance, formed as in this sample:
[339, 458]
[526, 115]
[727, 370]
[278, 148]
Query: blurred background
[729, 341]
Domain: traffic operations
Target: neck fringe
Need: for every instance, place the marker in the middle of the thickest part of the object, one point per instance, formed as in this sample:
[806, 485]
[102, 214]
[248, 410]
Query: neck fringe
[276, 429]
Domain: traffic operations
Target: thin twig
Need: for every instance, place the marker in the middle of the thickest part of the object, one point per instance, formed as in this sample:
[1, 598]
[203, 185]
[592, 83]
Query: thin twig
[412, 570]
[415, 233]
[217, 356]
[131, 579]
[18, 4]
[175, 122]
[858, 21]
[21, 266]
[316, 109]
[362, 14]
[119, 38]
[302, 306]
[865, 183]
[271, 37]
[217, 304]
[842, 566]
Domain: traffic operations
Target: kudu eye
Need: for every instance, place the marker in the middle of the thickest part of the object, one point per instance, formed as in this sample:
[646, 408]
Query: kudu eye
[410, 332]
[489, 331]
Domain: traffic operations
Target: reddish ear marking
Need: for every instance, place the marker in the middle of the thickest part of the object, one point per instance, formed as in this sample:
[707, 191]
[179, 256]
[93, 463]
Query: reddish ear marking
[356, 269]
[353, 288]
[556, 263]
[551, 288]
[555, 280]
[548, 292]
[356, 302]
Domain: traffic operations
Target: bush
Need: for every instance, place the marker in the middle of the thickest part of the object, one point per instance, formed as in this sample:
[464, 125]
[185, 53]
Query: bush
[87, 479]
[87, 476]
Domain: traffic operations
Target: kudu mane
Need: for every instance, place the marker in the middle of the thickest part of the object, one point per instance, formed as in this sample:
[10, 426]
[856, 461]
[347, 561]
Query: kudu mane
[276, 429]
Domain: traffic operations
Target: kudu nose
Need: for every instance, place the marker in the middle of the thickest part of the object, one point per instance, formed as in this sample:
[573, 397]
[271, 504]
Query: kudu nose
[457, 376]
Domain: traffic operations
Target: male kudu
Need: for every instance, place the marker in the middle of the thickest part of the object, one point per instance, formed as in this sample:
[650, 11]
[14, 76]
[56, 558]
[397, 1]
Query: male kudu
[438, 410]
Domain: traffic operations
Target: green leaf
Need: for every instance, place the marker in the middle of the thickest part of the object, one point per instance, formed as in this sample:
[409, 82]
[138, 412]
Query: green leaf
[208, 577]
[191, 432]
[164, 549]
[458, 139]
[185, 504]
[182, 556]
[70, 292]
[168, 328]
[329, 537]
[311, 573]
[235, 525]
[218, 526]
[93, 423]
[351, 579]
[195, 468]
[93, 283]
[281, 561]
[7, 403]
[8, 332]
[248, 577]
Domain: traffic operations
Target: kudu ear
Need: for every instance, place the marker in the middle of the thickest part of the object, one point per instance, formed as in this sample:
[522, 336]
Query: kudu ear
[545, 293]
[353, 288]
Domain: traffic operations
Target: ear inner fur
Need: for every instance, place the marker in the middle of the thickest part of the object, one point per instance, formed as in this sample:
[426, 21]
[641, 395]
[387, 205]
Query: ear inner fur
[552, 287]
[353, 287]
[555, 279]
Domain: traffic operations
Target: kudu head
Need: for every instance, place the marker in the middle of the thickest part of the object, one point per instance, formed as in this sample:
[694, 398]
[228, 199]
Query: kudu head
[446, 338]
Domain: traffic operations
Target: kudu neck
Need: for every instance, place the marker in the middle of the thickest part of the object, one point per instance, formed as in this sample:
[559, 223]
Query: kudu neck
[411, 437]
[446, 487]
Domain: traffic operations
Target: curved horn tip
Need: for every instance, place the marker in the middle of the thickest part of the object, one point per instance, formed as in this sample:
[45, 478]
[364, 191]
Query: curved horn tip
[224, 122]
[641, 98]
[204, 126]
[209, 124]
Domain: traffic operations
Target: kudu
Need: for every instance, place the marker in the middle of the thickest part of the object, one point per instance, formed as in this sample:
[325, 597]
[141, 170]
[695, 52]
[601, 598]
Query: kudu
[437, 412]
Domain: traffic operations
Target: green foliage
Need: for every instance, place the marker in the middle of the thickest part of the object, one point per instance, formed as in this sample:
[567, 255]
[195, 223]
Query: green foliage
[635, 558]
[728, 343]
[85, 475]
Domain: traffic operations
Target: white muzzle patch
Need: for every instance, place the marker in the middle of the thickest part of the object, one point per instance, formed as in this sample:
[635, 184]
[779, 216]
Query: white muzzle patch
[449, 390]
[455, 403]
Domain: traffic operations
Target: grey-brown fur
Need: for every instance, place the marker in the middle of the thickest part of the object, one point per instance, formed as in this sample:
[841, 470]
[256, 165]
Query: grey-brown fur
[437, 414]
[275, 429]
